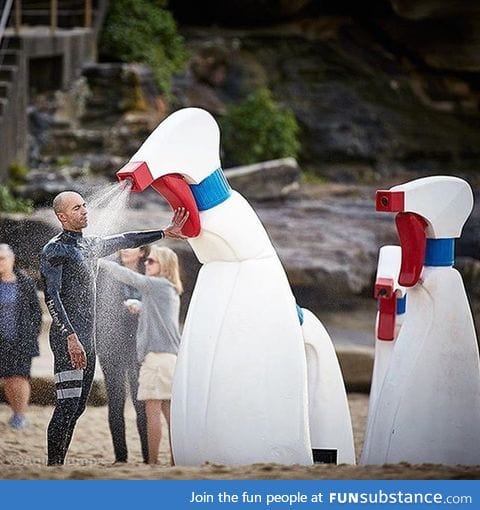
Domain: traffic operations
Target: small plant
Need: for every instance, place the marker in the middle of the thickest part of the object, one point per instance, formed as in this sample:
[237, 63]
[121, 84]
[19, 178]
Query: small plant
[64, 161]
[259, 129]
[310, 177]
[142, 31]
[18, 172]
[9, 203]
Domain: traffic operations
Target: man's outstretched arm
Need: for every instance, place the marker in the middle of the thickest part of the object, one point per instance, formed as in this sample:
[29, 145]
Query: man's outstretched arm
[111, 244]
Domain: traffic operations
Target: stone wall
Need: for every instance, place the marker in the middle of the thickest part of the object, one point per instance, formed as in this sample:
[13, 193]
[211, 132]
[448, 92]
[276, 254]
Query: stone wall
[13, 112]
[68, 51]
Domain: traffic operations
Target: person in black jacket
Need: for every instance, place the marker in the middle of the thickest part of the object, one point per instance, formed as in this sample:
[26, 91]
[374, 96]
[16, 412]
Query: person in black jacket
[68, 265]
[20, 321]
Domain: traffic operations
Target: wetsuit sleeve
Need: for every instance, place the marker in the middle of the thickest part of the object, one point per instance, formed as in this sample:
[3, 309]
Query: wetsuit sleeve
[107, 245]
[125, 275]
[51, 267]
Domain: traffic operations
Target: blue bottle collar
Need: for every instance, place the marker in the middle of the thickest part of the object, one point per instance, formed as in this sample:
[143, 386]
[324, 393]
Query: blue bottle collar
[401, 305]
[213, 190]
[440, 252]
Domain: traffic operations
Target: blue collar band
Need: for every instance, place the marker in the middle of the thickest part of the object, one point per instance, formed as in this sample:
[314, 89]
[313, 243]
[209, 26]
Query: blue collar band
[401, 305]
[213, 190]
[440, 252]
[300, 315]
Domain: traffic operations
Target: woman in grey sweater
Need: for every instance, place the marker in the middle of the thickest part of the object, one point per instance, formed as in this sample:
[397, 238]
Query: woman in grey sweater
[158, 334]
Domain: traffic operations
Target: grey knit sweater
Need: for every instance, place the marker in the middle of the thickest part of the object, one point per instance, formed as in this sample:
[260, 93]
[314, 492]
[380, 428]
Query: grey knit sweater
[158, 327]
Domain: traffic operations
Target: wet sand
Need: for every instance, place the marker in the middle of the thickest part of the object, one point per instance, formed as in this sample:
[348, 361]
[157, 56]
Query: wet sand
[22, 455]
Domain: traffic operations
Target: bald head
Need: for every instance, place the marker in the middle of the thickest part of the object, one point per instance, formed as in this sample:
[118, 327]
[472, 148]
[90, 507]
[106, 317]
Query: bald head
[61, 201]
[71, 210]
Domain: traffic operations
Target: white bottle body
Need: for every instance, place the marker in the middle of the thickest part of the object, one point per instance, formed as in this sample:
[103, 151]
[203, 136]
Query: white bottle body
[428, 408]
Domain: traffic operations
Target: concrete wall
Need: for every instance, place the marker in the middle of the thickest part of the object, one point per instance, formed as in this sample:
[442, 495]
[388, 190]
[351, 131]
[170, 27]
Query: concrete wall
[13, 117]
[76, 47]
[70, 49]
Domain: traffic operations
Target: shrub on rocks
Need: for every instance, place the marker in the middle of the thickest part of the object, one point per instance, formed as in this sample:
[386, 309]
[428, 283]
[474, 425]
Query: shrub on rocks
[259, 129]
[142, 31]
[9, 203]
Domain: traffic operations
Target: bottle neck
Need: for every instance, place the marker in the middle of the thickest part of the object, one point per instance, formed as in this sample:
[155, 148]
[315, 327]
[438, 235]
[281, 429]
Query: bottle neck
[213, 190]
[440, 252]
[300, 315]
[401, 305]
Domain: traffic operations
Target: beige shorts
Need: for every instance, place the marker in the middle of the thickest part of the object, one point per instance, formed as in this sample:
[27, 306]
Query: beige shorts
[156, 376]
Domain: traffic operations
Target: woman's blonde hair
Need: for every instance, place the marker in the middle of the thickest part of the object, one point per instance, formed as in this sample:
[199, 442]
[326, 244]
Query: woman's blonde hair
[170, 268]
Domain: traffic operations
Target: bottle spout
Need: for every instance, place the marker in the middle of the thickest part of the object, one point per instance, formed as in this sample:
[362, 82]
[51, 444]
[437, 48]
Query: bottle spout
[128, 182]
[432, 209]
[138, 173]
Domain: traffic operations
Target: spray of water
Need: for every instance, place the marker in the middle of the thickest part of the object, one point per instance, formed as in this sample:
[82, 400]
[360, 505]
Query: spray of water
[107, 206]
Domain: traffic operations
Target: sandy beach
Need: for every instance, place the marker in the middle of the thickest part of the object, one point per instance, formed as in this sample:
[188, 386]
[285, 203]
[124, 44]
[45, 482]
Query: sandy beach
[22, 455]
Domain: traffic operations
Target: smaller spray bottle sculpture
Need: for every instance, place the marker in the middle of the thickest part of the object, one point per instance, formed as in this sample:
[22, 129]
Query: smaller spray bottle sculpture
[391, 300]
[428, 407]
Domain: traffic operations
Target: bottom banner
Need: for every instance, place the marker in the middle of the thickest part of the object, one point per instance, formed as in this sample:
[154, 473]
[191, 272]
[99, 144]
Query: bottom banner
[249, 494]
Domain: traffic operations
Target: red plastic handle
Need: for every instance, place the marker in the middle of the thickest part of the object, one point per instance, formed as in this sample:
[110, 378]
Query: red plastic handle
[387, 308]
[177, 192]
[411, 231]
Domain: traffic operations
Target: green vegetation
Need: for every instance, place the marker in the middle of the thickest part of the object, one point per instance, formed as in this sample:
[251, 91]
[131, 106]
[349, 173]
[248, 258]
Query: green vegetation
[17, 173]
[309, 176]
[143, 31]
[9, 203]
[258, 129]
[63, 161]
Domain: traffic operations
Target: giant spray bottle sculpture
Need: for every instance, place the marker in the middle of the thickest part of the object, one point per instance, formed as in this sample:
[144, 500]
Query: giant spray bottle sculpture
[240, 388]
[391, 299]
[428, 408]
[331, 432]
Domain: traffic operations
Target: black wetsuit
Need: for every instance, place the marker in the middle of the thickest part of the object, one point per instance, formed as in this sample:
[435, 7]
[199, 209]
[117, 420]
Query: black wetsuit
[69, 269]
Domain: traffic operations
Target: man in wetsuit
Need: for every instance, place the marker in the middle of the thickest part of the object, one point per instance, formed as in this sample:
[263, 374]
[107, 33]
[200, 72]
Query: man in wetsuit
[69, 268]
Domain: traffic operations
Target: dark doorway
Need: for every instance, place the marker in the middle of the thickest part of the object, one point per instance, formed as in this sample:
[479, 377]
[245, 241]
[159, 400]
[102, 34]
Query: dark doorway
[45, 74]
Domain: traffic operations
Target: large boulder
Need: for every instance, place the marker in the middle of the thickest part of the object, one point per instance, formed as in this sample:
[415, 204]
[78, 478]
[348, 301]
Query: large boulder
[328, 240]
[269, 180]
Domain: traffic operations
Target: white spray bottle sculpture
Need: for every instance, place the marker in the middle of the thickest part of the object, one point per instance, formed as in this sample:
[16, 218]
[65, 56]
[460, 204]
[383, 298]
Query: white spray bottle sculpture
[240, 388]
[428, 408]
[391, 298]
[330, 423]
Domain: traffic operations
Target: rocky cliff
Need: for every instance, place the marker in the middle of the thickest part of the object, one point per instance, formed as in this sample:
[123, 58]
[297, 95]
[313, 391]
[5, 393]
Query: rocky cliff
[379, 89]
[381, 96]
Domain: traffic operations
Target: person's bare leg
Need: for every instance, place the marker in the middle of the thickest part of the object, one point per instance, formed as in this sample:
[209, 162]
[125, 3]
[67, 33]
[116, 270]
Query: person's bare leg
[166, 413]
[153, 410]
[17, 393]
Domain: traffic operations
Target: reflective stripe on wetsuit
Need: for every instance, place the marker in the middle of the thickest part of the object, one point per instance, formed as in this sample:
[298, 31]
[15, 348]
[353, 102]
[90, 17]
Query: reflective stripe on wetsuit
[69, 383]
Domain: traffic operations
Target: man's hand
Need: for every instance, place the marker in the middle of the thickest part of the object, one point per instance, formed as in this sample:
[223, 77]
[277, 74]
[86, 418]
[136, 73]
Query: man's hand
[174, 230]
[76, 351]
